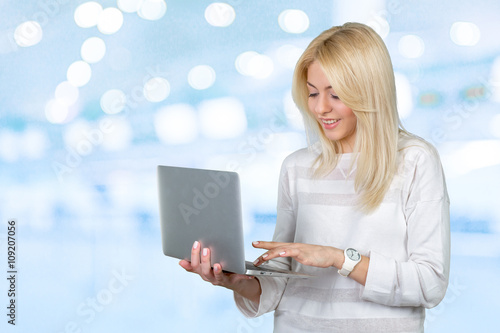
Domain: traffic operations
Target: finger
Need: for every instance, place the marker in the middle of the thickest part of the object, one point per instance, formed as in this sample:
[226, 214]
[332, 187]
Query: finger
[277, 252]
[267, 245]
[206, 268]
[220, 277]
[186, 265]
[287, 253]
[195, 256]
[293, 252]
[262, 259]
[297, 254]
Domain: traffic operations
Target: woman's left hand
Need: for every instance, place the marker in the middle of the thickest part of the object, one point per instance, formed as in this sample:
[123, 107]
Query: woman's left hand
[306, 254]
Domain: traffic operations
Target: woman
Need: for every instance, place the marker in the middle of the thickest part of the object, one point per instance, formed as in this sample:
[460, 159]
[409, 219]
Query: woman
[366, 199]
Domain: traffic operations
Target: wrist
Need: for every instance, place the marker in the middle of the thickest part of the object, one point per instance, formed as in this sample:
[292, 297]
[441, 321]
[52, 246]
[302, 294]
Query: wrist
[337, 258]
[249, 288]
[237, 287]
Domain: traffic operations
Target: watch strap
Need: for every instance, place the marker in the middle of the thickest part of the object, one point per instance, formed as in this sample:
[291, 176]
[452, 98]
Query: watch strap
[348, 265]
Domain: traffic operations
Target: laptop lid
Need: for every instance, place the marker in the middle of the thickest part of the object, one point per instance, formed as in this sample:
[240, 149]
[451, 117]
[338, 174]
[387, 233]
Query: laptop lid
[202, 205]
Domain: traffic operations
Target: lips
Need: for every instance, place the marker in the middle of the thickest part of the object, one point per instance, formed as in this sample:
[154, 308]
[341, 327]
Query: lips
[329, 124]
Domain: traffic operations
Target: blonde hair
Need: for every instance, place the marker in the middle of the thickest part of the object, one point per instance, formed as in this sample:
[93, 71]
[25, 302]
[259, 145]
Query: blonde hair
[357, 64]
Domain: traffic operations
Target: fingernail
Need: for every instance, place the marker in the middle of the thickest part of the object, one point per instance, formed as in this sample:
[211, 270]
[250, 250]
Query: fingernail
[255, 262]
[282, 253]
[216, 268]
[205, 252]
[195, 245]
[255, 243]
[265, 256]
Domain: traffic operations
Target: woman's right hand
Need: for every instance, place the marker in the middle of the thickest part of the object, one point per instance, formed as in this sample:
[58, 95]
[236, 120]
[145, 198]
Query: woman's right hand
[200, 264]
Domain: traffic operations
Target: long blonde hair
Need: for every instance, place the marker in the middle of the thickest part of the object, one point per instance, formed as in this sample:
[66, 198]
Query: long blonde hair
[357, 64]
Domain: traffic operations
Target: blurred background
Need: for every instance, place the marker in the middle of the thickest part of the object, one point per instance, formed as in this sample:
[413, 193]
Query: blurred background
[94, 95]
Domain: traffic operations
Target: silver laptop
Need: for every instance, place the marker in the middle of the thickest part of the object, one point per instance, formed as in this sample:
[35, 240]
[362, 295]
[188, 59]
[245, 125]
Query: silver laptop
[205, 206]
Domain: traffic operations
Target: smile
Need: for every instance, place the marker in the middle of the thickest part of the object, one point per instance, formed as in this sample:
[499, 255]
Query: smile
[329, 122]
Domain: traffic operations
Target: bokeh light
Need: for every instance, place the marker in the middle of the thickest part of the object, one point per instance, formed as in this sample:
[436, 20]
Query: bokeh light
[293, 21]
[288, 55]
[84, 137]
[411, 46]
[119, 182]
[75, 136]
[93, 50]
[8, 148]
[120, 136]
[292, 112]
[380, 25]
[56, 111]
[113, 101]
[404, 95]
[220, 14]
[87, 14]
[110, 21]
[66, 93]
[28, 34]
[222, 118]
[156, 89]
[465, 33]
[201, 77]
[33, 143]
[129, 6]
[176, 124]
[254, 64]
[152, 9]
[79, 73]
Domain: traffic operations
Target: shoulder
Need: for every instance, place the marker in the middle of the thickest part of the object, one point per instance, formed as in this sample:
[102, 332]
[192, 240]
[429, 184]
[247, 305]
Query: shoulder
[415, 149]
[304, 157]
[420, 163]
[420, 170]
[298, 164]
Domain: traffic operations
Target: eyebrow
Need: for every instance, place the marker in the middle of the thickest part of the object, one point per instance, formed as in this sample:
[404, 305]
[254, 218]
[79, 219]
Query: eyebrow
[312, 85]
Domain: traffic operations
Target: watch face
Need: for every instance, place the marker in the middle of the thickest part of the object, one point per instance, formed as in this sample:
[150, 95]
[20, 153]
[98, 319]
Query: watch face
[353, 254]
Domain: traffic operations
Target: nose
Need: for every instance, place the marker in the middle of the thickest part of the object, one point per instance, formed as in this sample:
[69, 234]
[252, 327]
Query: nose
[322, 105]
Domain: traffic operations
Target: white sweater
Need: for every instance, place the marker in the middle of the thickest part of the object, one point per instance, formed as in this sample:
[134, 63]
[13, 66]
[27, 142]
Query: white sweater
[407, 239]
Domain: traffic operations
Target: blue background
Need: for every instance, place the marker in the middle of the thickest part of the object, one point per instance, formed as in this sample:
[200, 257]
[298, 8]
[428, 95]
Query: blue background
[89, 253]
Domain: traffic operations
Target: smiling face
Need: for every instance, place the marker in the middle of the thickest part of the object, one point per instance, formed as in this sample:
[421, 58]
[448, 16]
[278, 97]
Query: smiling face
[337, 120]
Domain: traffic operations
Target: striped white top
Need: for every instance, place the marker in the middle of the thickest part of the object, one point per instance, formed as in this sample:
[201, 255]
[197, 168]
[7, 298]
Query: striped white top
[406, 238]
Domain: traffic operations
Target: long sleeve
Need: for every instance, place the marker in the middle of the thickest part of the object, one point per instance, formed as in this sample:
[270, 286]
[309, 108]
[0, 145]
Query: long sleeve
[273, 287]
[407, 239]
[422, 279]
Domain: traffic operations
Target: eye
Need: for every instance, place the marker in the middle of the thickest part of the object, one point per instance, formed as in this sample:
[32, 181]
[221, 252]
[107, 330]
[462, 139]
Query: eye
[334, 96]
[313, 95]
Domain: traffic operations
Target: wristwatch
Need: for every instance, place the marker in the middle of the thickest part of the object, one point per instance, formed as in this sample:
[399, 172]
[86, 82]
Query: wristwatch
[352, 258]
